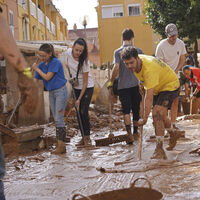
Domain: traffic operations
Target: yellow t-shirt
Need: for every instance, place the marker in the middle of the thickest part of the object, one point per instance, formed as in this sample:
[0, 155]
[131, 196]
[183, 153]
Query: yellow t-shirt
[157, 74]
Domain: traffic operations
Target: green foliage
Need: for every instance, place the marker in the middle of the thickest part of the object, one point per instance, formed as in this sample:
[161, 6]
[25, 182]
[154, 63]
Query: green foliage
[184, 13]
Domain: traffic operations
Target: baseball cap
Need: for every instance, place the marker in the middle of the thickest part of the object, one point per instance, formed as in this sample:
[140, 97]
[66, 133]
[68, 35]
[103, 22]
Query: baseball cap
[171, 30]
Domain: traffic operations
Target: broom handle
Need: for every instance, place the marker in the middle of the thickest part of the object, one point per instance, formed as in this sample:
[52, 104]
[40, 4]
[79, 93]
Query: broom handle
[141, 131]
[110, 106]
[191, 92]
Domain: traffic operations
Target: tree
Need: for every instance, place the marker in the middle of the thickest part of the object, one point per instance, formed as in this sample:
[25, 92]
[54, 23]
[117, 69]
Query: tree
[184, 13]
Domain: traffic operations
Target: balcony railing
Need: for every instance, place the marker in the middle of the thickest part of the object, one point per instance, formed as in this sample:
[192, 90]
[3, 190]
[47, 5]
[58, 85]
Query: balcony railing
[23, 3]
[53, 28]
[33, 9]
[48, 24]
[40, 16]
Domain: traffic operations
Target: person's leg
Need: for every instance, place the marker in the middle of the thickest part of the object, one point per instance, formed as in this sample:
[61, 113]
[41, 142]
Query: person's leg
[61, 96]
[83, 109]
[174, 110]
[159, 113]
[125, 99]
[135, 99]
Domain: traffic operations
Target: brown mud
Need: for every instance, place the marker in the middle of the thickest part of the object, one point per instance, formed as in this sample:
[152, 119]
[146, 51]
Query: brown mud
[42, 175]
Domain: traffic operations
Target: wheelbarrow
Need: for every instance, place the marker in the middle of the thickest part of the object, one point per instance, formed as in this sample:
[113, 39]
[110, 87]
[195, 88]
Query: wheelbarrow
[132, 193]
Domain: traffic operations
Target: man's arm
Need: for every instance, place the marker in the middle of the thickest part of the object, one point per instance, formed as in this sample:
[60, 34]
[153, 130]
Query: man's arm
[180, 64]
[115, 72]
[148, 102]
[8, 47]
[159, 54]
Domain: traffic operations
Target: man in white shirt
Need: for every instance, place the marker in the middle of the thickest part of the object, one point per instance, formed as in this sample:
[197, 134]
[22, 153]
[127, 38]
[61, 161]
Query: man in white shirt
[172, 51]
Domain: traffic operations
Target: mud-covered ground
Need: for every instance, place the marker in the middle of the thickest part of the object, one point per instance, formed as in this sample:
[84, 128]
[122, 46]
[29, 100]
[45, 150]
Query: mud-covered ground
[45, 176]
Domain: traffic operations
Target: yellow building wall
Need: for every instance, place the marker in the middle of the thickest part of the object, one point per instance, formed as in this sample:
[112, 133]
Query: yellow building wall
[110, 30]
[21, 12]
[41, 32]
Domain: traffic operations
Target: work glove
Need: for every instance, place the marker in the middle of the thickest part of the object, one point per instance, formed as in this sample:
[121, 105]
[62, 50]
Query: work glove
[29, 90]
[109, 84]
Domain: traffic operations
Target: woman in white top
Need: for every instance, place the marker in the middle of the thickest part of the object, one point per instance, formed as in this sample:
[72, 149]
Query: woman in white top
[78, 63]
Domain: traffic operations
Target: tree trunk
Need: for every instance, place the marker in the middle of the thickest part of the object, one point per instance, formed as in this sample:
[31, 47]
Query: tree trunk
[195, 53]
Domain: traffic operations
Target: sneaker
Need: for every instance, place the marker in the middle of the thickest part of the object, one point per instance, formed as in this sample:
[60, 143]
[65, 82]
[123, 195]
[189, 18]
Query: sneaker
[159, 152]
[175, 134]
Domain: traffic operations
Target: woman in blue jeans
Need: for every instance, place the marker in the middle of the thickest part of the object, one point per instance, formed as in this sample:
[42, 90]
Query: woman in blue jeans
[50, 70]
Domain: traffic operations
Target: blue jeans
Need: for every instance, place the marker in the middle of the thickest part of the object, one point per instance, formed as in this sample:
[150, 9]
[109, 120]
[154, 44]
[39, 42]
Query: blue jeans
[58, 100]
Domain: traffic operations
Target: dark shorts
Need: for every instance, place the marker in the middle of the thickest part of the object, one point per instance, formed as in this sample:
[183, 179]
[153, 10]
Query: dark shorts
[1, 9]
[130, 99]
[166, 98]
[198, 94]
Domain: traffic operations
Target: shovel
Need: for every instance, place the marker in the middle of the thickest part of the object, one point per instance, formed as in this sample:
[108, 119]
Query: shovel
[191, 92]
[141, 130]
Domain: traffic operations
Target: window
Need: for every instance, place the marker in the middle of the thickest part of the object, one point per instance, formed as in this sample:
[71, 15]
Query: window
[134, 9]
[23, 3]
[111, 11]
[11, 21]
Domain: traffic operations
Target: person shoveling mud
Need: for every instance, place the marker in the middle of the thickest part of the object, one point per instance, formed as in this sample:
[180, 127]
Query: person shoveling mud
[83, 85]
[162, 89]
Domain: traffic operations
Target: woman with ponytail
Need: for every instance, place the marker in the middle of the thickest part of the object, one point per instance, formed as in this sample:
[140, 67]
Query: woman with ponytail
[51, 72]
[79, 67]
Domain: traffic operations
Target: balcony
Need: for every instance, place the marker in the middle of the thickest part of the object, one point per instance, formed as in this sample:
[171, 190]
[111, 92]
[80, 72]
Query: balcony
[48, 24]
[53, 28]
[40, 16]
[33, 9]
[23, 4]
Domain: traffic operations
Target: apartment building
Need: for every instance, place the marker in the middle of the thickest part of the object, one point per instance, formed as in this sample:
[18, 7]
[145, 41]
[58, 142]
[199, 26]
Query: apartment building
[116, 15]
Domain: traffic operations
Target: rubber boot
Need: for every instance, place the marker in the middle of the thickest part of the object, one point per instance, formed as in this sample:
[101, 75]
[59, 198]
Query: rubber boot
[174, 136]
[135, 133]
[80, 143]
[61, 137]
[181, 131]
[136, 136]
[61, 148]
[87, 141]
[159, 152]
[130, 137]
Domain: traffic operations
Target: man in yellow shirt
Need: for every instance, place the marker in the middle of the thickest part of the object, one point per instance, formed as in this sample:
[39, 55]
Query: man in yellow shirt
[162, 89]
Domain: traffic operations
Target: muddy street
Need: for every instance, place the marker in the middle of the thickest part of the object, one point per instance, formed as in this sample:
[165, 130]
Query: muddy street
[45, 176]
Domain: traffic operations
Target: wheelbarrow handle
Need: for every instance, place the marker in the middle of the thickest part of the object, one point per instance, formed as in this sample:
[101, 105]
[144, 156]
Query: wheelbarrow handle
[80, 195]
[141, 178]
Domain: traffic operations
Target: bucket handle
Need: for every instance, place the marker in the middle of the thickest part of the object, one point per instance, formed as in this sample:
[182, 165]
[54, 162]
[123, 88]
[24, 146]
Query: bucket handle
[133, 184]
[80, 195]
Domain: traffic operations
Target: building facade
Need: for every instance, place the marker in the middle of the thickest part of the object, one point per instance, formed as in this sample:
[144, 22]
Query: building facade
[40, 20]
[34, 20]
[116, 15]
